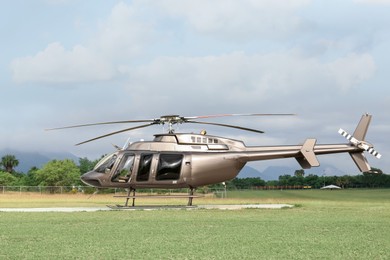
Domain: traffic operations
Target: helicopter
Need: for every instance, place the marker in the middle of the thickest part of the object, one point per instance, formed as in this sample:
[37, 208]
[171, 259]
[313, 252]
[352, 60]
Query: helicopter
[190, 160]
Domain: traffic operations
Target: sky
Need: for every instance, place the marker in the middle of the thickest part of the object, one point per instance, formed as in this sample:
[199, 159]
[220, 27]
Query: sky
[69, 62]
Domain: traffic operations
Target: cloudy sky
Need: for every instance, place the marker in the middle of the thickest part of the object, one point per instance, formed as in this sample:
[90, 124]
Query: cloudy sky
[66, 62]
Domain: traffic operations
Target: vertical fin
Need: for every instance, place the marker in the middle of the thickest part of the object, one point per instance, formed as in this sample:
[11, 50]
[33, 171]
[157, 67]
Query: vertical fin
[361, 129]
[360, 161]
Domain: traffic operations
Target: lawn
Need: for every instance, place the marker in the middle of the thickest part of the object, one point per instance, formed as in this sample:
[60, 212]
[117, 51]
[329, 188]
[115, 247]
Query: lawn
[347, 224]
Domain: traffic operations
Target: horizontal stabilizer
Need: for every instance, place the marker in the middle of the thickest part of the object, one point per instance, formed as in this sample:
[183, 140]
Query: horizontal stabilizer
[308, 158]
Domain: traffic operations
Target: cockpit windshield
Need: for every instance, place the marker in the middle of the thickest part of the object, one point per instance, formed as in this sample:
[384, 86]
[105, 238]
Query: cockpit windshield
[105, 165]
[123, 172]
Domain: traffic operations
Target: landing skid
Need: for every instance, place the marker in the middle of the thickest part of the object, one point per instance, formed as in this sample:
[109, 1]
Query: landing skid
[150, 207]
[190, 197]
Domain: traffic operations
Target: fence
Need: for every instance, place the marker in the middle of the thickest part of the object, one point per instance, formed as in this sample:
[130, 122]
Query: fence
[45, 189]
[91, 190]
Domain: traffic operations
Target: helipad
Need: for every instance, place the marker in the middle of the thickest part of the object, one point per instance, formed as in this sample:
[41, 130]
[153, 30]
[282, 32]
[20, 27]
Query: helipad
[154, 207]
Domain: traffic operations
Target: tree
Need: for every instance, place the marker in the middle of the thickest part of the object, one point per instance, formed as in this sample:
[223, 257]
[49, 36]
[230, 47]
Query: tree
[313, 180]
[284, 180]
[9, 162]
[58, 173]
[7, 179]
[30, 179]
[299, 173]
[86, 165]
[246, 183]
[342, 181]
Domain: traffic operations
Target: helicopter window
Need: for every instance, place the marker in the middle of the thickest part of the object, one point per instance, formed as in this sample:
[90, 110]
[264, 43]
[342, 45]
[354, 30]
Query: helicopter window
[203, 140]
[105, 164]
[169, 166]
[123, 173]
[144, 167]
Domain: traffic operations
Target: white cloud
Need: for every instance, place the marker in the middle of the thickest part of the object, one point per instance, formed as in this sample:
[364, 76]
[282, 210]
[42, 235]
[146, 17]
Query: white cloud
[124, 33]
[352, 69]
[239, 78]
[56, 65]
[121, 37]
[235, 19]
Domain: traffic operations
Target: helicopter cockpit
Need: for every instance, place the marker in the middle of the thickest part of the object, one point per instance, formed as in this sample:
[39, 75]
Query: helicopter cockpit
[120, 168]
[122, 171]
[115, 167]
[105, 165]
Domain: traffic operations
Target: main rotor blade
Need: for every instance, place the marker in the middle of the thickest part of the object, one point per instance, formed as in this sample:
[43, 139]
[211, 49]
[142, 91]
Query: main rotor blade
[103, 123]
[225, 115]
[116, 132]
[224, 125]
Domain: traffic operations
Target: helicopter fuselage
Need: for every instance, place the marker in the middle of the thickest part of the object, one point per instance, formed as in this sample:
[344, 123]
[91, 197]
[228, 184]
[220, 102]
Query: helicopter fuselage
[189, 160]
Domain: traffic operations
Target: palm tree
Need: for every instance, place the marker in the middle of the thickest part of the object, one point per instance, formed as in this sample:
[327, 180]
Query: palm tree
[9, 162]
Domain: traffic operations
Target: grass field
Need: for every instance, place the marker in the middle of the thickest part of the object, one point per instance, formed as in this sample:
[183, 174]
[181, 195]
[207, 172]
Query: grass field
[345, 224]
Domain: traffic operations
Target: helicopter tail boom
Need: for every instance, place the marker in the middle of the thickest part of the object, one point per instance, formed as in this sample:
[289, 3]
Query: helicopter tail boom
[306, 154]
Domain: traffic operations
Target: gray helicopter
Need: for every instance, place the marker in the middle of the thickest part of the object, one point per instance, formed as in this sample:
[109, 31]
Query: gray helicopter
[188, 160]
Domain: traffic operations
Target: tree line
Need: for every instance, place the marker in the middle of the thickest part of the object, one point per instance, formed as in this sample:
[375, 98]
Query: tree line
[374, 179]
[67, 173]
[54, 173]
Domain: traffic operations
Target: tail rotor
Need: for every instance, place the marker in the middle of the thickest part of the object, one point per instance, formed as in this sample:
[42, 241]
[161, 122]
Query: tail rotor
[361, 144]
[358, 140]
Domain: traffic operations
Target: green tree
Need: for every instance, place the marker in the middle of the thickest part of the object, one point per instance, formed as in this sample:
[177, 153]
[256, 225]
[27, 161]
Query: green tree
[342, 181]
[86, 165]
[247, 183]
[284, 180]
[312, 180]
[58, 173]
[7, 179]
[30, 178]
[299, 173]
[9, 162]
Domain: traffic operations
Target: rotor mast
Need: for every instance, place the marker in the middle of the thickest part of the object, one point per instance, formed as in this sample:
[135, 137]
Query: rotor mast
[171, 120]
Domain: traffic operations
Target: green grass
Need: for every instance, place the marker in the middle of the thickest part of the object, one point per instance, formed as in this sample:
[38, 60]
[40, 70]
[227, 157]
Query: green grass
[347, 224]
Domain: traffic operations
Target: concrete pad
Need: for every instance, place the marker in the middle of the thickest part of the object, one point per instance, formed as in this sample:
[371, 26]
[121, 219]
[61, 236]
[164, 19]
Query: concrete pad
[246, 206]
[153, 207]
[212, 206]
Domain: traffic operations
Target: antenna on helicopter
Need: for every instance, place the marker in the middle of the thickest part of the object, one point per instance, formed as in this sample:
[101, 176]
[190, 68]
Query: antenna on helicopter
[126, 143]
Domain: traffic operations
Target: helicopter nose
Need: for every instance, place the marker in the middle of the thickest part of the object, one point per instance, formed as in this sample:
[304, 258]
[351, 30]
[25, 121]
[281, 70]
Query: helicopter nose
[91, 179]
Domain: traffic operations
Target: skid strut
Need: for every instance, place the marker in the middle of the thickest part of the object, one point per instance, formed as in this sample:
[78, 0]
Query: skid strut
[190, 197]
[128, 197]
[131, 195]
